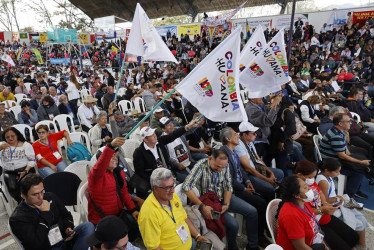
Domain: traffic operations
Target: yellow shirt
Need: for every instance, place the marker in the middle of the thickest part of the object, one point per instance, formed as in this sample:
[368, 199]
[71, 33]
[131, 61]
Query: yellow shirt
[9, 98]
[157, 226]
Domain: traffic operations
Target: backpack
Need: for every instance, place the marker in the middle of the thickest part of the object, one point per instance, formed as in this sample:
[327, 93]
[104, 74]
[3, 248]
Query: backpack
[300, 128]
[78, 152]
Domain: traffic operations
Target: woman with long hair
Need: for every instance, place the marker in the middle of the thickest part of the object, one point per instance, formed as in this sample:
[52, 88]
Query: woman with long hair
[17, 159]
[73, 93]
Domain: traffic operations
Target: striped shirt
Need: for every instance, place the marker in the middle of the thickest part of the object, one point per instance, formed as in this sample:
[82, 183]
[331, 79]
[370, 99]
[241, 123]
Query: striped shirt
[332, 143]
[205, 180]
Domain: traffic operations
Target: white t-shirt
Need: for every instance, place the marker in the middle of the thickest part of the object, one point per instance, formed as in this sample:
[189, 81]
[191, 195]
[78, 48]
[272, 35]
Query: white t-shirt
[178, 151]
[330, 181]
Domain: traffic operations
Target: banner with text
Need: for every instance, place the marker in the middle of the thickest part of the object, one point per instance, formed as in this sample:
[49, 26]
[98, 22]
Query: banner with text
[38, 56]
[189, 29]
[362, 16]
[163, 30]
[213, 87]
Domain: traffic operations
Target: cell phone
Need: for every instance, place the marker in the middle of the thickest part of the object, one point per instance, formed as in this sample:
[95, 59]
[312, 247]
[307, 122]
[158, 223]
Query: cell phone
[337, 203]
[256, 193]
[69, 234]
[216, 215]
[202, 245]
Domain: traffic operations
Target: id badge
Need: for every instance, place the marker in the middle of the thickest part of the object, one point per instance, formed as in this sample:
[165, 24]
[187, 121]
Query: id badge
[183, 233]
[54, 235]
[57, 155]
[201, 144]
[318, 238]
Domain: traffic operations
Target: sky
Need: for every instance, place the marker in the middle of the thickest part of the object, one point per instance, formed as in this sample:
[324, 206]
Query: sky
[28, 17]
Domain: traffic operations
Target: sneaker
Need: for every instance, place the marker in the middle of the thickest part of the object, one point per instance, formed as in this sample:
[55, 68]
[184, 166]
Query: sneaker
[361, 195]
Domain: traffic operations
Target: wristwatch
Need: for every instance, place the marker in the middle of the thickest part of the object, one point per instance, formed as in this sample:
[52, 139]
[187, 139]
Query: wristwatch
[197, 236]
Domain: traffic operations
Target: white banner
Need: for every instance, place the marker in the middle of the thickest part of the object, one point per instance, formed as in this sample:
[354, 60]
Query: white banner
[145, 41]
[338, 18]
[105, 26]
[253, 47]
[213, 86]
[8, 59]
[221, 19]
[269, 69]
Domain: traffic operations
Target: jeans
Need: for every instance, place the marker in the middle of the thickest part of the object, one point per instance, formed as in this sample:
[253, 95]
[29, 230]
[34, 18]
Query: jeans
[249, 212]
[281, 160]
[78, 242]
[264, 188]
[44, 172]
[198, 156]
[354, 180]
[297, 152]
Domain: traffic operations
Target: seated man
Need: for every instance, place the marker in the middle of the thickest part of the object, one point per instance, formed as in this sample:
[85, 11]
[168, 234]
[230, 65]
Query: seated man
[87, 113]
[123, 122]
[153, 153]
[243, 187]
[263, 178]
[213, 175]
[42, 214]
[162, 219]
[334, 145]
[198, 147]
[107, 186]
[155, 120]
[178, 149]
[110, 233]
[7, 119]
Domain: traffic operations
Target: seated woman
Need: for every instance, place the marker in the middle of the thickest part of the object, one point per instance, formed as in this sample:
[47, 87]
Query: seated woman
[331, 169]
[298, 227]
[101, 133]
[48, 157]
[64, 108]
[17, 159]
[338, 235]
[48, 109]
[27, 116]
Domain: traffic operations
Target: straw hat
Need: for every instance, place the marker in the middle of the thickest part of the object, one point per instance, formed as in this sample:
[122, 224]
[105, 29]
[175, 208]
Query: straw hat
[89, 99]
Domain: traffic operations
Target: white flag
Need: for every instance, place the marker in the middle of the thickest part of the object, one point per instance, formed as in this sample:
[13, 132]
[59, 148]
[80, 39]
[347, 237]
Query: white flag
[145, 41]
[8, 59]
[213, 86]
[253, 47]
[269, 69]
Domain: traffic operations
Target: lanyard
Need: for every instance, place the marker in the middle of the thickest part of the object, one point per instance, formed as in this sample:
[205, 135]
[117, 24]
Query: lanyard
[171, 210]
[49, 144]
[309, 213]
[12, 152]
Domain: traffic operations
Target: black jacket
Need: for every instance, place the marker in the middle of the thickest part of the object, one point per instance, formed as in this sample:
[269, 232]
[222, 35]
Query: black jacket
[31, 226]
[237, 186]
[145, 162]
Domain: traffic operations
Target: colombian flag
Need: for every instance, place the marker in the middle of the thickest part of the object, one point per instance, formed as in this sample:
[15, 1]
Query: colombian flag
[248, 30]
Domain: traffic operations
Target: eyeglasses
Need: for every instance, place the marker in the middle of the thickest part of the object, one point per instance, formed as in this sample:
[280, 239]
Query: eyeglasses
[122, 247]
[168, 188]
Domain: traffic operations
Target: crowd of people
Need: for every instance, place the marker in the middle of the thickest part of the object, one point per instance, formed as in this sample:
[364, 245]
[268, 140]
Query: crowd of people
[189, 174]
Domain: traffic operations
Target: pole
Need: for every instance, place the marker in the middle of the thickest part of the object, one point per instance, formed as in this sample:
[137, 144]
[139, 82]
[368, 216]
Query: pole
[291, 31]
[120, 76]
[150, 113]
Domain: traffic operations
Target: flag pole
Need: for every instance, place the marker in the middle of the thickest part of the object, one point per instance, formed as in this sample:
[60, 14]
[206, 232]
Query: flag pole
[150, 113]
[120, 75]
[290, 34]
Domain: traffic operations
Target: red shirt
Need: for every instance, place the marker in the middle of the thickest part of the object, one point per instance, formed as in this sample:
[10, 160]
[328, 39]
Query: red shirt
[325, 218]
[294, 223]
[45, 151]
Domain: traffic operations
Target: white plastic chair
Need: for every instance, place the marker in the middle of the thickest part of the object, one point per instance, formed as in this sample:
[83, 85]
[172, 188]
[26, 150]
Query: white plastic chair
[18, 242]
[356, 116]
[28, 86]
[84, 93]
[121, 91]
[48, 123]
[61, 123]
[9, 104]
[129, 147]
[79, 168]
[125, 106]
[20, 97]
[138, 103]
[274, 247]
[319, 133]
[20, 100]
[83, 202]
[317, 139]
[81, 137]
[342, 182]
[271, 221]
[22, 128]
[15, 110]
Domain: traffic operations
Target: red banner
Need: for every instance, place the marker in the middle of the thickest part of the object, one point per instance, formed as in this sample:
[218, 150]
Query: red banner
[2, 36]
[362, 16]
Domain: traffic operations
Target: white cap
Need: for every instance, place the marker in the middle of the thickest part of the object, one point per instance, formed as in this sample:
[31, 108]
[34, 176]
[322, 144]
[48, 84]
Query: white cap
[159, 109]
[164, 121]
[146, 131]
[247, 126]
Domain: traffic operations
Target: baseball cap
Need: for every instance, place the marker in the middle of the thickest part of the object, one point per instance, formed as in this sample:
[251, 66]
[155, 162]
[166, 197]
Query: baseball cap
[164, 121]
[247, 126]
[159, 109]
[109, 229]
[146, 131]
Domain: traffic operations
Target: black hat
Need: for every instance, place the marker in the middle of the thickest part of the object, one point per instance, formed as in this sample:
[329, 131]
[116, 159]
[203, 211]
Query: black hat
[110, 229]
